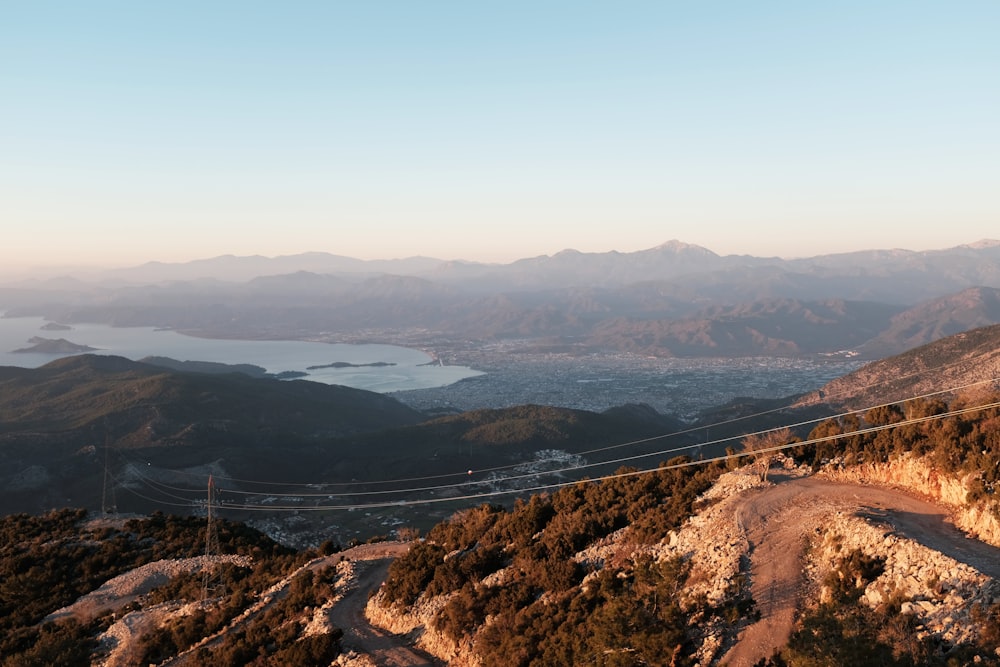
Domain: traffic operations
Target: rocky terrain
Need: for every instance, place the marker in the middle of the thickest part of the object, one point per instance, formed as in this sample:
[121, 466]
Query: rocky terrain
[956, 361]
[778, 540]
[118, 592]
[880, 531]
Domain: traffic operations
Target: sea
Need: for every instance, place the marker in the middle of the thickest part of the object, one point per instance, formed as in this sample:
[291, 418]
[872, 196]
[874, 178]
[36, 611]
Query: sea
[395, 368]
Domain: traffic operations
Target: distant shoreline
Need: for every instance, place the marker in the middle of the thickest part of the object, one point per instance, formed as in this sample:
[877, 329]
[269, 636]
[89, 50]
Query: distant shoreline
[382, 367]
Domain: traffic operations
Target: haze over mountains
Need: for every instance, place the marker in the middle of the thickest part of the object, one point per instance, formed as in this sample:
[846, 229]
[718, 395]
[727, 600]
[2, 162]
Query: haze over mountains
[673, 300]
[317, 465]
[961, 266]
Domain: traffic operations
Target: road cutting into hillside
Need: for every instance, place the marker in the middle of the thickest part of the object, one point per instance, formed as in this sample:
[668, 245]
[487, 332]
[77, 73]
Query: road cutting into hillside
[777, 521]
[370, 563]
[385, 648]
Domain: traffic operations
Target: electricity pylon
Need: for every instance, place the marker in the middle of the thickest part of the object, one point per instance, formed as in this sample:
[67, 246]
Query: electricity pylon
[209, 580]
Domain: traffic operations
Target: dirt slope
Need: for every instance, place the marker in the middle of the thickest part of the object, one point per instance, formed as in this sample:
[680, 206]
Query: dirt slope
[348, 614]
[777, 521]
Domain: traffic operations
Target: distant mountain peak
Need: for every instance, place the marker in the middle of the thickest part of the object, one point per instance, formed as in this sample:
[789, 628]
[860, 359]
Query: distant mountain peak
[679, 247]
[982, 244]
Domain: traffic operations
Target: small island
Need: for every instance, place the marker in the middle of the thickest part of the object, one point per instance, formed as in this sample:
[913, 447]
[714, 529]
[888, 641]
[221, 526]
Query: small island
[219, 368]
[55, 326]
[347, 364]
[41, 345]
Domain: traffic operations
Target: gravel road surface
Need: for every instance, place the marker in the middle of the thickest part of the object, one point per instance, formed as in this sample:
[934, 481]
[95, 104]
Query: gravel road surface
[777, 520]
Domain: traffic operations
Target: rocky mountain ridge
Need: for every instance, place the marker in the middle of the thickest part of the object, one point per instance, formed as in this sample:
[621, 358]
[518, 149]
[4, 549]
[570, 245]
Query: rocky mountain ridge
[941, 593]
[964, 360]
[972, 264]
[673, 300]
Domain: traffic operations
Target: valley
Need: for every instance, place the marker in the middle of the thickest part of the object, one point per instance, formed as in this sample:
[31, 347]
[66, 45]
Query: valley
[589, 489]
[513, 375]
[472, 334]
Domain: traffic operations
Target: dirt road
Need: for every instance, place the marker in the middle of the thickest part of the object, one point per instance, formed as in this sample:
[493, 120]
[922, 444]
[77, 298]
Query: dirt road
[387, 650]
[371, 562]
[776, 521]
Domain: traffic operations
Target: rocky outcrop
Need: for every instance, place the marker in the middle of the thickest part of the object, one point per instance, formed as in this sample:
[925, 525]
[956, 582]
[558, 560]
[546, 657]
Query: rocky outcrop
[938, 590]
[119, 591]
[714, 544]
[354, 659]
[737, 524]
[418, 621]
[914, 474]
[118, 643]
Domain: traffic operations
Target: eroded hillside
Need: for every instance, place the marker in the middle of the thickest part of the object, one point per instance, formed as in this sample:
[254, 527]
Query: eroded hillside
[961, 360]
[807, 565]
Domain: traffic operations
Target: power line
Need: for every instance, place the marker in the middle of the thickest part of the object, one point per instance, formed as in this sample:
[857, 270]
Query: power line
[563, 470]
[555, 485]
[631, 473]
[687, 431]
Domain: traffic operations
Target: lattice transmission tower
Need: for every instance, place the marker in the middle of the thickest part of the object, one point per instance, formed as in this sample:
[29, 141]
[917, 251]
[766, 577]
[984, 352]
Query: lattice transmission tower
[210, 582]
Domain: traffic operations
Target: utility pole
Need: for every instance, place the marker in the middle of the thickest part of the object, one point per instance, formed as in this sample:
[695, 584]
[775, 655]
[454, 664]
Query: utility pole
[211, 544]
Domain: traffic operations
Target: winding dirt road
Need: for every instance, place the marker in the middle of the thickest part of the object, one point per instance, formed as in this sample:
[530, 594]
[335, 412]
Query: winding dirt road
[385, 649]
[776, 521]
[371, 563]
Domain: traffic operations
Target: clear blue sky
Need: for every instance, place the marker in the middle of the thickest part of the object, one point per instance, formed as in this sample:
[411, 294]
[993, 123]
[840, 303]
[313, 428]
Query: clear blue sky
[134, 131]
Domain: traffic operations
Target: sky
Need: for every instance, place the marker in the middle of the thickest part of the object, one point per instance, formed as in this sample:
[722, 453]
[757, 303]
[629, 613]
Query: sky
[489, 131]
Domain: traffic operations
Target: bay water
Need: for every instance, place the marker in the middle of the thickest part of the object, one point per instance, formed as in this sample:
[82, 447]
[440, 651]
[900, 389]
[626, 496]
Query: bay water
[398, 368]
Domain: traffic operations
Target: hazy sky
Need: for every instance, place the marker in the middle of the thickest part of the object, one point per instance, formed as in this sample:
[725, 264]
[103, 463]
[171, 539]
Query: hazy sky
[134, 131]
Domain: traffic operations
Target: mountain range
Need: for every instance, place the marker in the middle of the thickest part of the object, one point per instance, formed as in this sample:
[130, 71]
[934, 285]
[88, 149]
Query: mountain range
[954, 268]
[673, 300]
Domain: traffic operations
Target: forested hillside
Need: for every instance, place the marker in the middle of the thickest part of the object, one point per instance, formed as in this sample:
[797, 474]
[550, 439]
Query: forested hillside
[960, 360]
[82, 427]
[660, 564]
[633, 569]
[524, 587]
[47, 562]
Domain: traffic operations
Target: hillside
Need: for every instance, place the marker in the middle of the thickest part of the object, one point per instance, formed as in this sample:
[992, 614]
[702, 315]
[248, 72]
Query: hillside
[94, 430]
[935, 319]
[955, 361]
[59, 422]
[484, 439]
[779, 327]
[872, 539]
[676, 565]
[78, 575]
[88, 398]
[698, 566]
